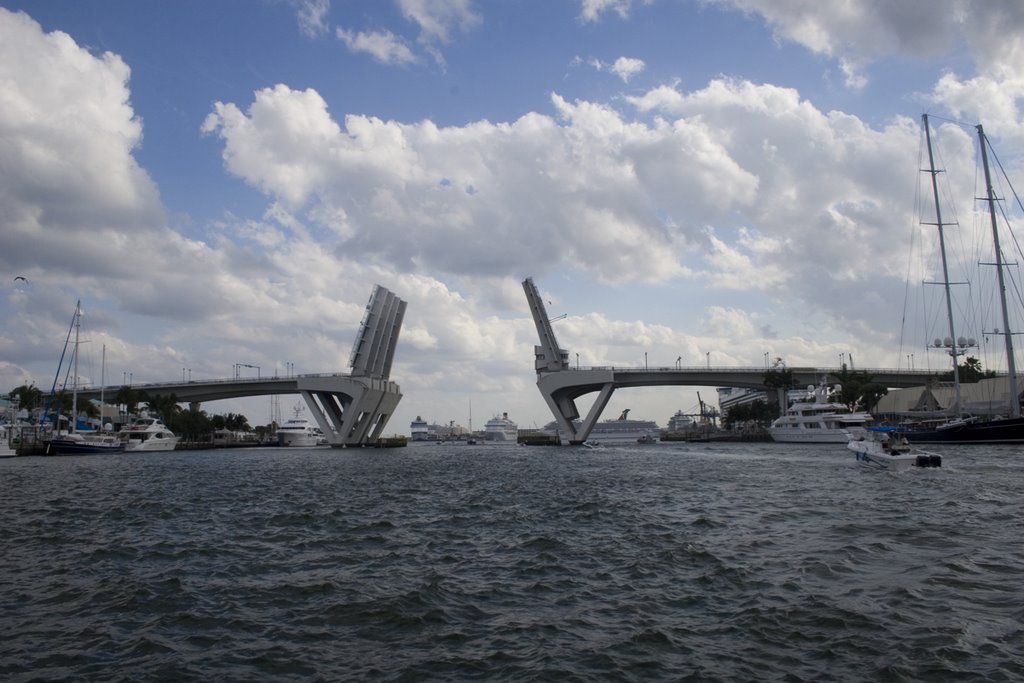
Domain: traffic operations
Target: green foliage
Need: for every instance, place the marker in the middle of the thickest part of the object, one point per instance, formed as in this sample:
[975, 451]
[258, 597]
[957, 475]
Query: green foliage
[28, 396]
[970, 372]
[756, 412]
[165, 406]
[779, 379]
[859, 389]
[129, 398]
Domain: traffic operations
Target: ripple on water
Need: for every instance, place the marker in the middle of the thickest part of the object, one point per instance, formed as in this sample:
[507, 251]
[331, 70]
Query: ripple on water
[716, 563]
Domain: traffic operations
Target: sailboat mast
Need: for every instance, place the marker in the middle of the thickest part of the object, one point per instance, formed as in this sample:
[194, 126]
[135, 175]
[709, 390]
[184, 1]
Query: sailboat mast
[991, 199]
[103, 379]
[74, 381]
[954, 351]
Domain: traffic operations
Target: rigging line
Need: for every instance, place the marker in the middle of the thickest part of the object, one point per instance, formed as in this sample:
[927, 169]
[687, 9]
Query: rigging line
[1015, 284]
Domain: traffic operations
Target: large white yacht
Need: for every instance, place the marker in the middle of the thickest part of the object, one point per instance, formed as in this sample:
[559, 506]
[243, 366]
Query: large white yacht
[820, 420]
[501, 429]
[148, 434]
[298, 431]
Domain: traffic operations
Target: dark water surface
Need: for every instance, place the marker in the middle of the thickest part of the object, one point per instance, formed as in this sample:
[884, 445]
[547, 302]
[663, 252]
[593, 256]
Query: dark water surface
[699, 562]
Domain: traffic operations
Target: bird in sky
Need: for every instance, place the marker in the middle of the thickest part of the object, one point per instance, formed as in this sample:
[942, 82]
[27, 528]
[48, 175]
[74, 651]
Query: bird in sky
[19, 277]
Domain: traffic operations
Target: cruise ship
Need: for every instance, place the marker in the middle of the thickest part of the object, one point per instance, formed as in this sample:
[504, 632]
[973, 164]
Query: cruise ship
[620, 431]
[418, 430]
[501, 429]
[681, 422]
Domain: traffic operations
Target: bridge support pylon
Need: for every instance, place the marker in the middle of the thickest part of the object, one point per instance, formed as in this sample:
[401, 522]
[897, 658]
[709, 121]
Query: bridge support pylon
[350, 411]
[559, 385]
[353, 410]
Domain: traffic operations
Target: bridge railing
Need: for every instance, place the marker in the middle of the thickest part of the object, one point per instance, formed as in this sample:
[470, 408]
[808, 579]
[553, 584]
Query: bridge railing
[721, 369]
[226, 380]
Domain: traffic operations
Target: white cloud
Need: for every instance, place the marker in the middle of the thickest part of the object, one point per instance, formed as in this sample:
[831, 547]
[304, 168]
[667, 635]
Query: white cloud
[438, 18]
[591, 10]
[627, 67]
[312, 16]
[384, 46]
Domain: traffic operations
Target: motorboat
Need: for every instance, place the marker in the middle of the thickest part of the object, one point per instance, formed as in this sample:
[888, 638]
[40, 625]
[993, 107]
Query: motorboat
[148, 434]
[888, 450]
[819, 421]
[501, 429]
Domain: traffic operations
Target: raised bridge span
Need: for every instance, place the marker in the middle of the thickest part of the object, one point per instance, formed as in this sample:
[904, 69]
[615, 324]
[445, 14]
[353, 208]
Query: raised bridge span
[560, 384]
[351, 409]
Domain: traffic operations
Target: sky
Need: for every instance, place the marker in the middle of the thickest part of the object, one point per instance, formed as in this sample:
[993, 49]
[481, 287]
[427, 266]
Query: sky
[717, 182]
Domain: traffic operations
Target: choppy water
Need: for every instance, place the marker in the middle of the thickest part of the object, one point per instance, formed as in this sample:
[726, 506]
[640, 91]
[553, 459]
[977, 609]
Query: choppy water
[738, 562]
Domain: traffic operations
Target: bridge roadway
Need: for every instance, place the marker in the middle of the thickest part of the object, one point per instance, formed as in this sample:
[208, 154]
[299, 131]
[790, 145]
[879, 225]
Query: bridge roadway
[745, 378]
[202, 391]
[350, 410]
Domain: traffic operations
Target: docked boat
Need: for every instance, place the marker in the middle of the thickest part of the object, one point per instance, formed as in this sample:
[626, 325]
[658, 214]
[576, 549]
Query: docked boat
[501, 429]
[148, 434]
[75, 442]
[819, 421]
[888, 450]
[85, 443]
[7, 441]
[418, 430]
[961, 427]
[298, 431]
[681, 422]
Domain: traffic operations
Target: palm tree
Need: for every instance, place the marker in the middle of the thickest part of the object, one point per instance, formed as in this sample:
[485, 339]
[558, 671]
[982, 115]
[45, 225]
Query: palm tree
[165, 406]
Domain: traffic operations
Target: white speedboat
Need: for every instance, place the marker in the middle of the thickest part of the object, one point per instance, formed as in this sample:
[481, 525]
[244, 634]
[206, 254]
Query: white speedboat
[883, 450]
[148, 434]
[820, 420]
[501, 429]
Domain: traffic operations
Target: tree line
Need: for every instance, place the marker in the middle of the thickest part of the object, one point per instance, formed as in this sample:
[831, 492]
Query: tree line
[187, 423]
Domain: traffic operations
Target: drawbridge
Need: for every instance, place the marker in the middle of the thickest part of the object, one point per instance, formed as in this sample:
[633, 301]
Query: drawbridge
[561, 384]
[350, 409]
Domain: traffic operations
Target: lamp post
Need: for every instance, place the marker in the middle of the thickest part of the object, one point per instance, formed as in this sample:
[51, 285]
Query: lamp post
[577, 361]
[645, 360]
[708, 355]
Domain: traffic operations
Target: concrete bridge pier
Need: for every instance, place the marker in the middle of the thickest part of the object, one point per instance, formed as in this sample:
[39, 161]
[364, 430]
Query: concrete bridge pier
[560, 391]
[351, 412]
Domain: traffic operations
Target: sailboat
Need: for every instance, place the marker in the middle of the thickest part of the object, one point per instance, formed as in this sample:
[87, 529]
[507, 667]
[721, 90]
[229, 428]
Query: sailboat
[76, 442]
[962, 428]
